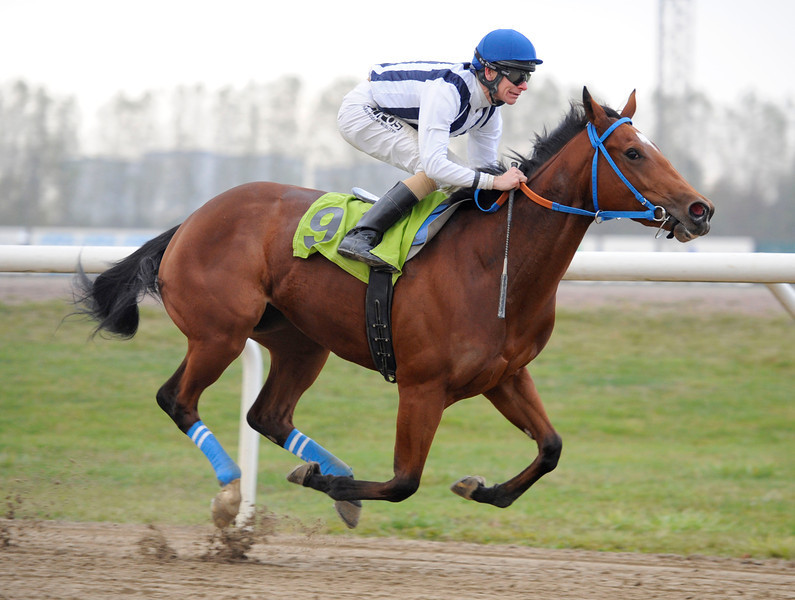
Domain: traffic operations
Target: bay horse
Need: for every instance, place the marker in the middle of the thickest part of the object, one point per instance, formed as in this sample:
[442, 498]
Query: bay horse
[227, 274]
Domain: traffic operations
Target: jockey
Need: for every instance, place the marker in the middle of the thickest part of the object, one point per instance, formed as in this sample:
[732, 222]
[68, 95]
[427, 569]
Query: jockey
[406, 113]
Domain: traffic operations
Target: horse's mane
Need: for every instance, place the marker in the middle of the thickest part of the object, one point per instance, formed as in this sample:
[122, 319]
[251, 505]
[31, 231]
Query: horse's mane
[547, 144]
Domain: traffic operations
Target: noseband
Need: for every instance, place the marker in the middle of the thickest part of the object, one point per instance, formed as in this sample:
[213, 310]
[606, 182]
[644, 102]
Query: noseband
[652, 212]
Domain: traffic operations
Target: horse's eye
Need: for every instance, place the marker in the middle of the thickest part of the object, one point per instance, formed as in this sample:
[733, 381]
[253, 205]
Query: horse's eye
[632, 154]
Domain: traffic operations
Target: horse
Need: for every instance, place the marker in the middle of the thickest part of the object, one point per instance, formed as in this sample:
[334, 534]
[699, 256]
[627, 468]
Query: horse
[227, 274]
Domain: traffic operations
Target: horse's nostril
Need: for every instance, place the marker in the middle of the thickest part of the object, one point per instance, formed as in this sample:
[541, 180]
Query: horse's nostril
[699, 211]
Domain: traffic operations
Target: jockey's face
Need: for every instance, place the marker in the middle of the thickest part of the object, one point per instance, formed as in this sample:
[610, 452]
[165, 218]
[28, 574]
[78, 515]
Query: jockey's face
[506, 91]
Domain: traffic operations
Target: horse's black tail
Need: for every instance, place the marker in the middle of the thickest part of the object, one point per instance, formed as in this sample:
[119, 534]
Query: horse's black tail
[112, 298]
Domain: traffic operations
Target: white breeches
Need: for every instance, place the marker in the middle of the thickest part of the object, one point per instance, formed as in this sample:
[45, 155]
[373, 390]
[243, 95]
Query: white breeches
[381, 135]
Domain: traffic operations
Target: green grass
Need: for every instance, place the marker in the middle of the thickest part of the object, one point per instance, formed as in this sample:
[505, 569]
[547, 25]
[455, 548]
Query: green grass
[677, 427]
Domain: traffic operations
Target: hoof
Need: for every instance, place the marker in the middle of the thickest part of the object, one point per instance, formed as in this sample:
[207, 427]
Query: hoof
[466, 487]
[226, 504]
[349, 511]
[301, 474]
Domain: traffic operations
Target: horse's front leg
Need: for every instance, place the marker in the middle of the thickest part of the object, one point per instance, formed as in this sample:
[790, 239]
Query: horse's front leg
[419, 413]
[518, 400]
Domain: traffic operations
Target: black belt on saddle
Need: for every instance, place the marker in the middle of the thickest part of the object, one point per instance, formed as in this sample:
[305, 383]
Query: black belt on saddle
[378, 314]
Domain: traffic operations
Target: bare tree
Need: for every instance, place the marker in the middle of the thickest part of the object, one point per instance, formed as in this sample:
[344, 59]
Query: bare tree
[38, 137]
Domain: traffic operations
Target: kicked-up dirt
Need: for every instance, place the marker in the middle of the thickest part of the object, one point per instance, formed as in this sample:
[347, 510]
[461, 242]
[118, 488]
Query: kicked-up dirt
[93, 561]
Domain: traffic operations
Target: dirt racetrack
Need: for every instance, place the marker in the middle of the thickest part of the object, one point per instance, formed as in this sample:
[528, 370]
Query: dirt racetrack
[92, 561]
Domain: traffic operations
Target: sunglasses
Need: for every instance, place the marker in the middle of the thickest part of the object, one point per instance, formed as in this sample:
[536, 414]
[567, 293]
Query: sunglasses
[515, 76]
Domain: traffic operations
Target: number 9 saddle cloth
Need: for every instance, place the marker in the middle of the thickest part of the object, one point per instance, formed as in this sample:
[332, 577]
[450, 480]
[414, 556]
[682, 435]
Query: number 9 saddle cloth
[330, 217]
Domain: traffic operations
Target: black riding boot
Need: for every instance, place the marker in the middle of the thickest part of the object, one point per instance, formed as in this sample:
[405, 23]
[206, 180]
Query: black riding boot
[367, 234]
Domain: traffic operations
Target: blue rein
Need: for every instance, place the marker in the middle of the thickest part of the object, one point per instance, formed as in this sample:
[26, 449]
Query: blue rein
[651, 213]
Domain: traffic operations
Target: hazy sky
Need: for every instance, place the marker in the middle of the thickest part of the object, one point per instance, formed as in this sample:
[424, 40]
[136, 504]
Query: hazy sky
[93, 48]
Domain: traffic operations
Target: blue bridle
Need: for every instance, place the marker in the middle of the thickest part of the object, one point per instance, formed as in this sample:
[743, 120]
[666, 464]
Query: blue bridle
[598, 144]
[651, 213]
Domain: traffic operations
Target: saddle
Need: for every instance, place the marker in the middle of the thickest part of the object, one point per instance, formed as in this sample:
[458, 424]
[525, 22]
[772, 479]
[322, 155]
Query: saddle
[324, 225]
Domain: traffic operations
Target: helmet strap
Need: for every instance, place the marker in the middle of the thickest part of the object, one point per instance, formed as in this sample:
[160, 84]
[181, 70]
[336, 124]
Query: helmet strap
[491, 86]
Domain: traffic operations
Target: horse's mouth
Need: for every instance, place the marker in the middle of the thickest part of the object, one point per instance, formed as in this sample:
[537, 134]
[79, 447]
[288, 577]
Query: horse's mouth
[681, 232]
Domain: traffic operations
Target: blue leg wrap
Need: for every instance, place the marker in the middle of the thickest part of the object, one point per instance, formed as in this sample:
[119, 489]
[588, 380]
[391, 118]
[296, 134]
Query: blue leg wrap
[309, 450]
[225, 468]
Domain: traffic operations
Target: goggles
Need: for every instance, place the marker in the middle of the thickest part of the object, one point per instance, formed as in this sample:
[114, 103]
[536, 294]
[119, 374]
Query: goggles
[515, 76]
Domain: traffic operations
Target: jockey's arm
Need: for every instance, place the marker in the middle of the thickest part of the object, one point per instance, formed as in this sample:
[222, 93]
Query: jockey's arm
[482, 148]
[438, 110]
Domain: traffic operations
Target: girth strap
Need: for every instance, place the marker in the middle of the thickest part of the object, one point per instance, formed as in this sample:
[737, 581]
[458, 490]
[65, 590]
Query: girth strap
[378, 316]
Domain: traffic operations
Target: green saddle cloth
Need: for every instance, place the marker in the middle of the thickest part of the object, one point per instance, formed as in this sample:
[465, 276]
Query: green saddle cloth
[332, 215]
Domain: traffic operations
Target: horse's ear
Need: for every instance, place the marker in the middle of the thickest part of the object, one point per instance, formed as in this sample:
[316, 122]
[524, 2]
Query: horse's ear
[592, 108]
[629, 107]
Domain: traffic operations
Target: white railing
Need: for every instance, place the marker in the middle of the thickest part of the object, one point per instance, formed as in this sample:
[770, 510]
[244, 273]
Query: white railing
[728, 267]
[776, 271]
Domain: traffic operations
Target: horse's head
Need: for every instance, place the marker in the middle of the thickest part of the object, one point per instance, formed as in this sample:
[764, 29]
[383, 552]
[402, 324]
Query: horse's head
[686, 213]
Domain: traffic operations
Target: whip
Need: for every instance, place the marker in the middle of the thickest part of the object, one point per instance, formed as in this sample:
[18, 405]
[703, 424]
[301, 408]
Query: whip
[504, 278]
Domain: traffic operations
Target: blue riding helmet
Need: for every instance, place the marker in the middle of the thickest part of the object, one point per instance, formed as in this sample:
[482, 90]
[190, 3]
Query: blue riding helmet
[507, 48]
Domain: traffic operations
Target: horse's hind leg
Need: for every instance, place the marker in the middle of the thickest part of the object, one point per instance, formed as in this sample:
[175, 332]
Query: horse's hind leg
[296, 362]
[179, 398]
[518, 400]
[419, 414]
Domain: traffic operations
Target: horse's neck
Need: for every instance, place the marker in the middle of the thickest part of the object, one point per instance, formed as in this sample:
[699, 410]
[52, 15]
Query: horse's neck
[548, 239]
